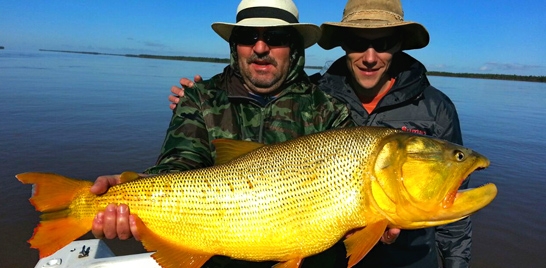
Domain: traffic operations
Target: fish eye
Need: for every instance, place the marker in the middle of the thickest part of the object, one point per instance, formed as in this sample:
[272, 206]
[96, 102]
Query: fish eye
[459, 155]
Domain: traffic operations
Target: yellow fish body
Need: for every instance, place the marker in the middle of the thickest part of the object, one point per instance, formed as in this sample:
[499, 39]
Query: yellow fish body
[280, 202]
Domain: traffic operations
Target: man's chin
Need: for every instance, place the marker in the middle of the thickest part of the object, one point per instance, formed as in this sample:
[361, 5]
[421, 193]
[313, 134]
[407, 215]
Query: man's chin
[264, 87]
[368, 82]
[263, 81]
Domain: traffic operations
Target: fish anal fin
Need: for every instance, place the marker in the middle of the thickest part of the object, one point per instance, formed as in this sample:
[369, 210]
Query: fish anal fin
[167, 254]
[128, 176]
[52, 235]
[228, 149]
[363, 240]
[293, 263]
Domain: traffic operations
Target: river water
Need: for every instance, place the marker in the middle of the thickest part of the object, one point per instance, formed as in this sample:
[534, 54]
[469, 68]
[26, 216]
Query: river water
[88, 115]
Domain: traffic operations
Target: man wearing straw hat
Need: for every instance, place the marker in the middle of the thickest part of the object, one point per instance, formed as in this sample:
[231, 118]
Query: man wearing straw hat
[384, 86]
[264, 95]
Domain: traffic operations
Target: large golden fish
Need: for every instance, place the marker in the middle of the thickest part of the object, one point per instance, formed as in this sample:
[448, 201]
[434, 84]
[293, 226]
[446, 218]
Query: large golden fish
[279, 202]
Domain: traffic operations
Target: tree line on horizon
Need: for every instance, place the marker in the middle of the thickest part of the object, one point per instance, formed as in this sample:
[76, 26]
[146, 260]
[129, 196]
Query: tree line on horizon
[527, 78]
[511, 77]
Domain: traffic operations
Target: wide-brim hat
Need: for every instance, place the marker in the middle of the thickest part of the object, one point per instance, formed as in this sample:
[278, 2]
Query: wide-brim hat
[374, 14]
[269, 13]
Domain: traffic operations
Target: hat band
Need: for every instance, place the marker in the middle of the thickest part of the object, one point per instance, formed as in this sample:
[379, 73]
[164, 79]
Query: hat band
[266, 12]
[372, 15]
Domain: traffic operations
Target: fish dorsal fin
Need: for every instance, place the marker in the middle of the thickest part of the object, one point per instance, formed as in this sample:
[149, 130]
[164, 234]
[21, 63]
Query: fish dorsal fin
[168, 254]
[128, 176]
[363, 240]
[228, 149]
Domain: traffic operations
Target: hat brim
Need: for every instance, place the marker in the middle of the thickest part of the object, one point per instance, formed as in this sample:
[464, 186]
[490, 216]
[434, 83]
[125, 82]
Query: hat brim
[310, 33]
[415, 35]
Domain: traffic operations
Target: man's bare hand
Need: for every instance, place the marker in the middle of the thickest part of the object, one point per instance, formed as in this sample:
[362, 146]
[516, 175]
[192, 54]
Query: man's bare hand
[178, 92]
[114, 221]
[390, 235]
[103, 183]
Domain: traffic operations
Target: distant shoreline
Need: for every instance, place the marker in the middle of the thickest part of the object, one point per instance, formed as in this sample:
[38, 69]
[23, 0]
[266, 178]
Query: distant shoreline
[529, 78]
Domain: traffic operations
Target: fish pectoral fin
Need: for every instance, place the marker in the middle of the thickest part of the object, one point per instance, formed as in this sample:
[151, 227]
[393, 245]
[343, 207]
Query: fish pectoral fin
[128, 176]
[166, 253]
[363, 240]
[293, 263]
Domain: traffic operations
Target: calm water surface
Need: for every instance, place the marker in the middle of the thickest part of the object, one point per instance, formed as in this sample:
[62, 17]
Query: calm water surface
[87, 115]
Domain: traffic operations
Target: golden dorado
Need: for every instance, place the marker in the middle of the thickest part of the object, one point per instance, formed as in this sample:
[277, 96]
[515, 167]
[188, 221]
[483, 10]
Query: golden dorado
[280, 202]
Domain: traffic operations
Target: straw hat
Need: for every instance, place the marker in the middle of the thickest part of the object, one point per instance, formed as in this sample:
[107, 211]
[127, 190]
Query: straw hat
[269, 13]
[374, 14]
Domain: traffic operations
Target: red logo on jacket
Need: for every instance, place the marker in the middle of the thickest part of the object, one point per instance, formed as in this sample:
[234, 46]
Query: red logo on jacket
[413, 130]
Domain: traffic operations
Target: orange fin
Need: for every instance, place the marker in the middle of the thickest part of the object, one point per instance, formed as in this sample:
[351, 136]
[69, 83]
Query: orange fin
[50, 236]
[294, 263]
[168, 254]
[362, 241]
[227, 149]
[128, 176]
[52, 194]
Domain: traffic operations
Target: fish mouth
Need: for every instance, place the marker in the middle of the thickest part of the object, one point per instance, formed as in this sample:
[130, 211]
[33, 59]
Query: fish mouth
[468, 201]
[460, 203]
[449, 199]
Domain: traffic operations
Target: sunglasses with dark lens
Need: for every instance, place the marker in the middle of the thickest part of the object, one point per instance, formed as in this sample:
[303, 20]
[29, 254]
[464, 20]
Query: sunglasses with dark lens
[249, 36]
[382, 44]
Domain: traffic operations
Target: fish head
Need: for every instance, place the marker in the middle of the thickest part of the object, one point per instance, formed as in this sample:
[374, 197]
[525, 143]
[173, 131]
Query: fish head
[417, 179]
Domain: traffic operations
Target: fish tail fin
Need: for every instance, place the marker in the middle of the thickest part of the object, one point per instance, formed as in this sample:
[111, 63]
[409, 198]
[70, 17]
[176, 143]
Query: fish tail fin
[52, 235]
[52, 195]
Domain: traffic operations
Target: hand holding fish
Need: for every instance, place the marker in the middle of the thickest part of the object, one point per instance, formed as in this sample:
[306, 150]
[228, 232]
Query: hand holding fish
[390, 235]
[114, 221]
[103, 183]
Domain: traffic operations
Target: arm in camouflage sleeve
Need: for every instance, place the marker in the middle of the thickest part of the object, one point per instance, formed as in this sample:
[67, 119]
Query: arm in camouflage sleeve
[187, 144]
[343, 118]
[337, 111]
[454, 240]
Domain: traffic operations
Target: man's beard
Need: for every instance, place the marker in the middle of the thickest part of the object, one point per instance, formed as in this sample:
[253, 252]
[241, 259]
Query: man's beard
[258, 82]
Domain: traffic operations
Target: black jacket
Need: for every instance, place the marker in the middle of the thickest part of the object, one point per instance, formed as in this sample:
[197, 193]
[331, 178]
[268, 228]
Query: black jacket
[412, 105]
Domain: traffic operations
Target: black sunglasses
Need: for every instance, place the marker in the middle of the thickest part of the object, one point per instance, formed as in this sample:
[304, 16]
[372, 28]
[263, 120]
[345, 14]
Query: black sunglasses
[382, 44]
[248, 36]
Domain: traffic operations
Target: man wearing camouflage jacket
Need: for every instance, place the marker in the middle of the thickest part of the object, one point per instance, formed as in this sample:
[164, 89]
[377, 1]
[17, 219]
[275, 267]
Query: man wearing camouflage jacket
[264, 96]
[223, 107]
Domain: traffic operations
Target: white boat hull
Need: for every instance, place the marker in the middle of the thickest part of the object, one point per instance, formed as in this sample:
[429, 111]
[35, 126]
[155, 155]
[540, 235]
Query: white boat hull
[94, 253]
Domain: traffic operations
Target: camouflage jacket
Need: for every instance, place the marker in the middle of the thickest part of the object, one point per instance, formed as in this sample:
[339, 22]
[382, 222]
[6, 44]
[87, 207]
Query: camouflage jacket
[222, 108]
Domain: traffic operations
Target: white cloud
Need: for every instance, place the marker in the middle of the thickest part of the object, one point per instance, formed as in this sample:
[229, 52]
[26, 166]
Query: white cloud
[490, 66]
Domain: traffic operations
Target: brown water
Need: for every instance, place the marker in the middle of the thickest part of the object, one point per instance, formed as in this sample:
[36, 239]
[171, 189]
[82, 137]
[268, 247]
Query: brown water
[84, 116]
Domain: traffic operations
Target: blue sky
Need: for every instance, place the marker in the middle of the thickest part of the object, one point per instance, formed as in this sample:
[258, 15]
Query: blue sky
[470, 36]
